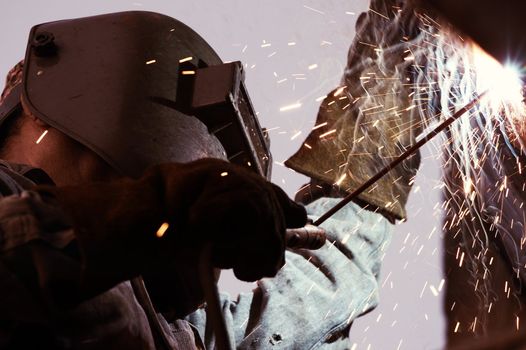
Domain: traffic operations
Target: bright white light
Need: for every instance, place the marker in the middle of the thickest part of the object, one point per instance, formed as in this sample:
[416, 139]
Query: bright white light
[503, 82]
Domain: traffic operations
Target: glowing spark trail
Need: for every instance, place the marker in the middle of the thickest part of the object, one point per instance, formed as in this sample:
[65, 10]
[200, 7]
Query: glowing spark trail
[186, 59]
[398, 160]
[162, 230]
[290, 107]
[41, 137]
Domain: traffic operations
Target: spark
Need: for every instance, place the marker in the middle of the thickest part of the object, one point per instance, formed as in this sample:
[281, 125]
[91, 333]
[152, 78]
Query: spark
[433, 290]
[313, 9]
[461, 260]
[319, 125]
[290, 107]
[162, 230]
[295, 135]
[151, 61]
[308, 292]
[371, 108]
[339, 91]
[188, 72]
[468, 185]
[328, 133]
[186, 59]
[340, 180]
[423, 289]
[441, 285]
[224, 173]
[378, 13]
[41, 136]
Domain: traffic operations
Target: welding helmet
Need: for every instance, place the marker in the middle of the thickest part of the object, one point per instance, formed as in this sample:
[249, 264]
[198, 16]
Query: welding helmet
[138, 89]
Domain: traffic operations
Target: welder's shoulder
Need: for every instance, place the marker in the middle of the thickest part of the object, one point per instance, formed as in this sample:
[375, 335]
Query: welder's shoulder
[16, 178]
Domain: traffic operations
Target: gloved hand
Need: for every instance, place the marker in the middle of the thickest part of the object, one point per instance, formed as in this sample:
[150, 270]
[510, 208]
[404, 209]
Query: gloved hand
[243, 215]
[371, 119]
[116, 223]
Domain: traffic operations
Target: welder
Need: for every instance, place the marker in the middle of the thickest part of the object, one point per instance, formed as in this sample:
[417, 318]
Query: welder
[119, 168]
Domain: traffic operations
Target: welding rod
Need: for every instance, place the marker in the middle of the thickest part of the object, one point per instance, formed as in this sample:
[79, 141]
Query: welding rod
[409, 152]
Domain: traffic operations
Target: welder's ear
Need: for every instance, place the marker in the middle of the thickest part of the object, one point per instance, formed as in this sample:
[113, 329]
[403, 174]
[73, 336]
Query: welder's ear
[38, 122]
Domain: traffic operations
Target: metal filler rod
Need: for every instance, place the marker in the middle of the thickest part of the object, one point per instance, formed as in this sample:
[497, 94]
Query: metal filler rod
[409, 152]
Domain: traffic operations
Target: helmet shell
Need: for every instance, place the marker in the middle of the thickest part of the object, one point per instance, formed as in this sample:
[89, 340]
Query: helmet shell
[99, 79]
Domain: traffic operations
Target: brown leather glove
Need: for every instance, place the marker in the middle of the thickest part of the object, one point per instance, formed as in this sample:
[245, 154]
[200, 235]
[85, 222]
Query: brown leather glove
[116, 224]
[371, 118]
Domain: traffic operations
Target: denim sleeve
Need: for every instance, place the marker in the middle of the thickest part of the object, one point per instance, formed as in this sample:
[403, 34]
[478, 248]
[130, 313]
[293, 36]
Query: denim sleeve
[314, 298]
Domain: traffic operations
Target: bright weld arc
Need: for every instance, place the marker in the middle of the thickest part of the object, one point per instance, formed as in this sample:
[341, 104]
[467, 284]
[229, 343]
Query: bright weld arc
[503, 82]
